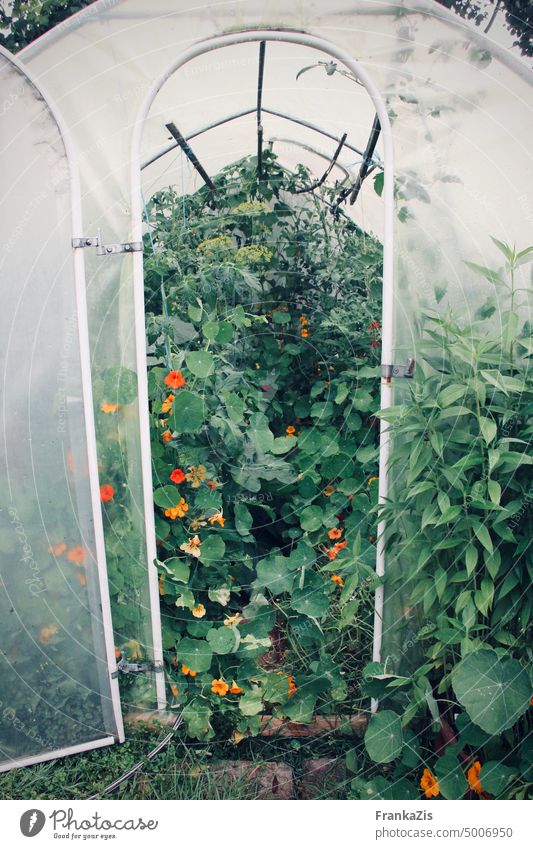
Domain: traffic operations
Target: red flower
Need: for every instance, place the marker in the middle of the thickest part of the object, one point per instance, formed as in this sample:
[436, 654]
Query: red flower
[175, 380]
[106, 492]
[177, 476]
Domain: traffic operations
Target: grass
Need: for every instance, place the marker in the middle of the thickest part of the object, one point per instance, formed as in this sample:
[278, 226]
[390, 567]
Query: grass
[178, 772]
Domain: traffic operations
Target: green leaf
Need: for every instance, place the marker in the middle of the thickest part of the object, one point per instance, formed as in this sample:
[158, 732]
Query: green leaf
[200, 363]
[494, 690]
[451, 778]
[489, 274]
[484, 595]
[495, 491]
[483, 535]
[187, 414]
[275, 574]
[282, 444]
[280, 317]
[196, 654]
[495, 777]
[120, 385]
[451, 394]
[488, 429]
[300, 707]
[312, 599]
[243, 520]
[384, 738]
[471, 556]
[251, 703]
[235, 407]
[212, 550]
[179, 568]
[311, 518]
[221, 640]
[210, 331]
[167, 496]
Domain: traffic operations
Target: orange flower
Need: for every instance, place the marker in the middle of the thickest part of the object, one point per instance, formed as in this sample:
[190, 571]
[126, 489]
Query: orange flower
[304, 332]
[178, 511]
[108, 408]
[187, 671]
[303, 321]
[219, 687]
[46, 632]
[118, 654]
[235, 690]
[335, 533]
[429, 784]
[292, 686]
[340, 545]
[213, 485]
[199, 611]
[106, 492]
[167, 436]
[473, 777]
[76, 554]
[290, 430]
[218, 517]
[372, 479]
[166, 406]
[337, 580]
[332, 552]
[175, 380]
[82, 579]
[57, 550]
[177, 476]
[174, 690]
[192, 547]
[71, 466]
[329, 490]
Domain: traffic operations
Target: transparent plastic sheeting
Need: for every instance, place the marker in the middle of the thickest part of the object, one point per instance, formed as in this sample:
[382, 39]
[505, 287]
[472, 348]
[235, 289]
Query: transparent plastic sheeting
[55, 685]
[461, 114]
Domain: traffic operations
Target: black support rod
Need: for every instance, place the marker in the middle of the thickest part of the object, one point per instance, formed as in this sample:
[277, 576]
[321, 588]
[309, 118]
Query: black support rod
[327, 172]
[190, 154]
[367, 159]
[260, 76]
[243, 114]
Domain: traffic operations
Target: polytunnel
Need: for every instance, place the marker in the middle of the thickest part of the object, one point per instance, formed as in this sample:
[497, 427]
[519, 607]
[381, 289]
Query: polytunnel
[109, 108]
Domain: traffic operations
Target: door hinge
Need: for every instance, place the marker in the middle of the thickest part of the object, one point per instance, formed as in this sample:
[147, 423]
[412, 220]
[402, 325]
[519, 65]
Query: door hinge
[127, 667]
[106, 250]
[399, 371]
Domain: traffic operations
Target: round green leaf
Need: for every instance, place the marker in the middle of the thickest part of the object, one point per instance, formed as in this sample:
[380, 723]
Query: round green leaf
[494, 690]
[196, 654]
[310, 601]
[120, 385]
[187, 413]
[311, 518]
[221, 640]
[210, 330]
[166, 496]
[212, 549]
[495, 776]
[384, 738]
[274, 573]
[200, 363]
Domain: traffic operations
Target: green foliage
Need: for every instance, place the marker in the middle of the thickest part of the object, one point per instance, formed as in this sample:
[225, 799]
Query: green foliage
[261, 314]
[22, 21]
[459, 543]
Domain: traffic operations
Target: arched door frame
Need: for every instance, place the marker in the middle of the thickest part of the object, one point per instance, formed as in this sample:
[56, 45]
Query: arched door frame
[341, 55]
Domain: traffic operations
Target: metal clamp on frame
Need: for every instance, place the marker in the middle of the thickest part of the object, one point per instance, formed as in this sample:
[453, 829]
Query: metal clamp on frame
[106, 250]
[399, 371]
[134, 667]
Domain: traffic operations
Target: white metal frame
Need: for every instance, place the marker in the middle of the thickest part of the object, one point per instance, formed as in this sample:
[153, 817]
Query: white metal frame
[85, 365]
[359, 71]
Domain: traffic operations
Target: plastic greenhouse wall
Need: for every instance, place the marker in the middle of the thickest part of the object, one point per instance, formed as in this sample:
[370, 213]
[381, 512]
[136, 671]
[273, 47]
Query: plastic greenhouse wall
[460, 110]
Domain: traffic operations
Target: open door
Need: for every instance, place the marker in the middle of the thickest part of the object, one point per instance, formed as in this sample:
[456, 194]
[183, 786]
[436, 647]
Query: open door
[57, 661]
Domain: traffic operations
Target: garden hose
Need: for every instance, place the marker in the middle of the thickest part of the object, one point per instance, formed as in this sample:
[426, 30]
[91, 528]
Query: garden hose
[134, 770]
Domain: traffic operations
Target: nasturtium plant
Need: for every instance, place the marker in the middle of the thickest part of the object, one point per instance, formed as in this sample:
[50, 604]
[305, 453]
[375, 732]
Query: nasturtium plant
[263, 332]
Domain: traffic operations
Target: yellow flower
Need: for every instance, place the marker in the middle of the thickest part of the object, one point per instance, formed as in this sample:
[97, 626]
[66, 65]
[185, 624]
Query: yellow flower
[372, 479]
[210, 246]
[218, 517]
[46, 633]
[198, 522]
[230, 621]
[253, 254]
[196, 475]
[199, 611]
[174, 690]
[219, 687]
[429, 784]
[166, 406]
[192, 547]
[161, 585]
[252, 207]
[177, 512]
[473, 777]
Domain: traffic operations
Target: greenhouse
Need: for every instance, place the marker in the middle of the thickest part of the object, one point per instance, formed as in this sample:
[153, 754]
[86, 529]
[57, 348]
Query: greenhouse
[266, 397]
